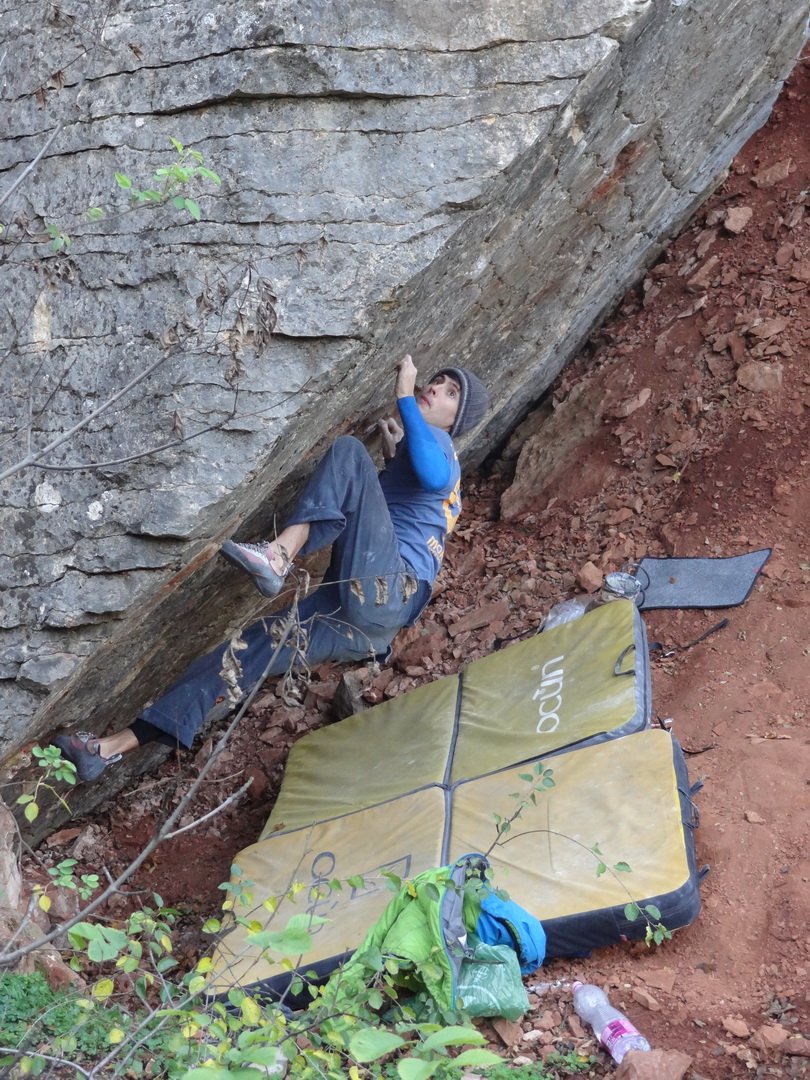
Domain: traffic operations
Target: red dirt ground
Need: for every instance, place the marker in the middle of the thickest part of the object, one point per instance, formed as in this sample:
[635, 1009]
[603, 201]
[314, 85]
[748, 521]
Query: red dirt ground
[706, 467]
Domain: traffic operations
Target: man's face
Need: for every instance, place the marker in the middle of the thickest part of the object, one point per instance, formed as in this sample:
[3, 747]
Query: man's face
[438, 401]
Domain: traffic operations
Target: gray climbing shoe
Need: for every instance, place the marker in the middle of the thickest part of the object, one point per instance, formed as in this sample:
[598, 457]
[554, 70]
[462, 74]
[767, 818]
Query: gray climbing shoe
[82, 749]
[254, 559]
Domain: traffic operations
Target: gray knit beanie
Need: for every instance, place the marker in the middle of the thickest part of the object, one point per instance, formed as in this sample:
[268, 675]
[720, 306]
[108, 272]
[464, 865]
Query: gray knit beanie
[474, 400]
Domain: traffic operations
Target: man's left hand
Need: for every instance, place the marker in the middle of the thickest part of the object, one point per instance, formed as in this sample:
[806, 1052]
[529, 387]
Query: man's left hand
[406, 377]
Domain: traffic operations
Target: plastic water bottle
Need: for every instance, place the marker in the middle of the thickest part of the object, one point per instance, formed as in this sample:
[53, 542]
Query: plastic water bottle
[622, 586]
[566, 611]
[612, 1028]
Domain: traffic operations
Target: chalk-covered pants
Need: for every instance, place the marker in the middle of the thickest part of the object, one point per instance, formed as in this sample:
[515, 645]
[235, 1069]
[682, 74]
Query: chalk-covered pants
[368, 593]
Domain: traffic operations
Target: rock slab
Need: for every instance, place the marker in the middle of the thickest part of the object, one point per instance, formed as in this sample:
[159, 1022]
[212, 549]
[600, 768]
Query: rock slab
[479, 188]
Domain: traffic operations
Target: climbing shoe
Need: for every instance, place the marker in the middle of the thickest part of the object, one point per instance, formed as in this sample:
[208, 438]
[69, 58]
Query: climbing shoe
[82, 749]
[254, 559]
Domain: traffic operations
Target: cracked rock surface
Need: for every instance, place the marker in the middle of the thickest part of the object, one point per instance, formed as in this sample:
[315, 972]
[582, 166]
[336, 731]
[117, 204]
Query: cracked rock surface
[476, 182]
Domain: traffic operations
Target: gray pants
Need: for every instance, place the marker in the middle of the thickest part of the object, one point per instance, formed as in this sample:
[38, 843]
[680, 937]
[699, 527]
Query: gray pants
[368, 593]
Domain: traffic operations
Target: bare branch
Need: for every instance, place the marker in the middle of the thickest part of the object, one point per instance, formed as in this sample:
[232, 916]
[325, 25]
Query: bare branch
[7, 959]
[211, 813]
[31, 165]
[89, 466]
[32, 459]
[45, 1057]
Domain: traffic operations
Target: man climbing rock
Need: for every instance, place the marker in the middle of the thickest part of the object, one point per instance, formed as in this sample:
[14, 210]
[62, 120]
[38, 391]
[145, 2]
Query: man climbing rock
[387, 534]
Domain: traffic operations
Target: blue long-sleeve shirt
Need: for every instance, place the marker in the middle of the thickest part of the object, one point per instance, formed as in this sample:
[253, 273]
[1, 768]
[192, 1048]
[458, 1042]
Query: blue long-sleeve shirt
[422, 487]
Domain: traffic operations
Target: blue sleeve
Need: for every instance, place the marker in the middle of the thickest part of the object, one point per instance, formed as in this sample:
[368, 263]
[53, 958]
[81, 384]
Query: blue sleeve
[429, 460]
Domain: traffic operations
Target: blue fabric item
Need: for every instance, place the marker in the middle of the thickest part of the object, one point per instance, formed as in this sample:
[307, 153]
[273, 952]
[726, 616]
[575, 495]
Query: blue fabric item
[373, 586]
[422, 519]
[503, 922]
[428, 458]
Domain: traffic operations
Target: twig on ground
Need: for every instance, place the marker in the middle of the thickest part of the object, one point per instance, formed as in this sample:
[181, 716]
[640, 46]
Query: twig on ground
[211, 813]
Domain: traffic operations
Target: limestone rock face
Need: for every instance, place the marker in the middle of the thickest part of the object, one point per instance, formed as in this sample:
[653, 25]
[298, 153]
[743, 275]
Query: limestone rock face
[476, 182]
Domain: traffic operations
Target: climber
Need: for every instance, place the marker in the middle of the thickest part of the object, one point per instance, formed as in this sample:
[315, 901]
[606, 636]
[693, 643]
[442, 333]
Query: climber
[387, 533]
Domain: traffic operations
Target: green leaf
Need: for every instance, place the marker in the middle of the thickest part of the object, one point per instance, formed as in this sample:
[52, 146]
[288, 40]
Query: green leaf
[527, 776]
[368, 1044]
[291, 941]
[260, 1055]
[178, 146]
[23, 799]
[631, 911]
[212, 926]
[103, 989]
[303, 921]
[209, 175]
[123, 181]
[478, 1057]
[179, 201]
[31, 812]
[414, 1069]
[95, 213]
[453, 1036]
[193, 209]
[600, 869]
[652, 911]
[658, 937]
[357, 881]
[548, 782]
[81, 932]
[622, 868]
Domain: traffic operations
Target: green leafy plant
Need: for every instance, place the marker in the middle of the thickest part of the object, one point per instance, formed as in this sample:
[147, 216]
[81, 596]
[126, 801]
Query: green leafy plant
[175, 183]
[54, 767]
[32, 1013]
[169, 181]
[60, 241]
[64, 878]
[555, 1067]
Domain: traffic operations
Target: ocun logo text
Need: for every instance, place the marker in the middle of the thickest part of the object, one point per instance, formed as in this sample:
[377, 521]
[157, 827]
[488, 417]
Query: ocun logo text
[548, 695]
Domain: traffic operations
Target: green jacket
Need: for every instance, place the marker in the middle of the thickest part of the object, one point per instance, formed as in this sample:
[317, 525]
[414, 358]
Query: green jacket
[425, 925]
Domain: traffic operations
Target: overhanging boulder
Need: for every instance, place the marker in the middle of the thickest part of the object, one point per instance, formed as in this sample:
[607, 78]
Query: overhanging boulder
[478, 182]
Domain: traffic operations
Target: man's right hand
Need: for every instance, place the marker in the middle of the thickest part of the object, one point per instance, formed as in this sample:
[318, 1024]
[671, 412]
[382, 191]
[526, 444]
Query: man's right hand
[391, 433]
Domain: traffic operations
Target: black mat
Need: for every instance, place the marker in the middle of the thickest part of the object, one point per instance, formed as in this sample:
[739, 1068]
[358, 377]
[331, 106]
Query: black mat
[699, 583]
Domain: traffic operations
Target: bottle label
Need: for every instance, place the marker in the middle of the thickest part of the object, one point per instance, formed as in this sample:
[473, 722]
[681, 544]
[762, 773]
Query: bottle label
[615, 1030]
